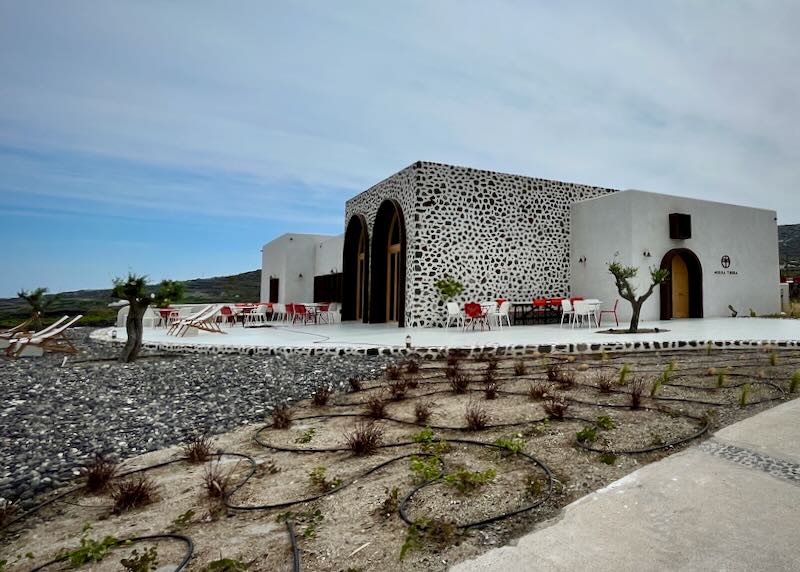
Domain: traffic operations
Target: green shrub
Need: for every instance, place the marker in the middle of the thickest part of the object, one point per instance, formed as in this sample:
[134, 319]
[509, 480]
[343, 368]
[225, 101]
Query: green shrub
[608, 458]
[605, 422]
[624, 372]
[318, 481]
[587, 435]
[795, 383]
[744, 394]
[512, 444]
[144, 562]
[225, 565]
[425, 468]
[467, 481]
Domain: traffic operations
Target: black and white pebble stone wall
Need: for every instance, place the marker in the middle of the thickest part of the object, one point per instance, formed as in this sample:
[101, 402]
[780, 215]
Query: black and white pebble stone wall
[501, 235]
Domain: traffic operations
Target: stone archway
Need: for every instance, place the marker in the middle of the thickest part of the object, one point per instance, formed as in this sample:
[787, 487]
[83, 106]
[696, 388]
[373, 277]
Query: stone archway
[682, 292]
[355, 270]
[388, 258]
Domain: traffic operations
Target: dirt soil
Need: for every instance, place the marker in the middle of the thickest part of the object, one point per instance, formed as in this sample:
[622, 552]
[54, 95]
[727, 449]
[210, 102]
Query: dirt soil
[357, 525]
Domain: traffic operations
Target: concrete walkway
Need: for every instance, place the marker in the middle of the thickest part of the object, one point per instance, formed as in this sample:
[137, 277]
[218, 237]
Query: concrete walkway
[730, 503]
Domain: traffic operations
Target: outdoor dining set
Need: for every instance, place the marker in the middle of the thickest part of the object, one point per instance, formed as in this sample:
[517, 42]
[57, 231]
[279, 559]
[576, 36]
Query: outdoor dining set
[252, 315]
[576, 311]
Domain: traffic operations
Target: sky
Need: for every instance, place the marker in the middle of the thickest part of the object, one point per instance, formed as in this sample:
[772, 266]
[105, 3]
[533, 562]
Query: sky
[175, 138]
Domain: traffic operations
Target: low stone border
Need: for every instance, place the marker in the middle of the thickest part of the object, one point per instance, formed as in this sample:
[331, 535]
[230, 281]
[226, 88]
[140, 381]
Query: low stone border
[779, 468]
[432, 352]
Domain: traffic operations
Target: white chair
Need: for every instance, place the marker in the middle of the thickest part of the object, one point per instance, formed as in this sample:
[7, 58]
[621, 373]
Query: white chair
[257, 316]
[454, 315]
[278, 312]
[584, 311]
[333, 310]
[501, 314]
[151, 318]
[567, 312]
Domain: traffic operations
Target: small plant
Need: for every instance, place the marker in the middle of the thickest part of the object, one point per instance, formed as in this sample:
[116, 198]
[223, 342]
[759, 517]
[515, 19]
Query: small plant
[553, 372]
[465, 481]
[604, 381]
[182, 521]
[454, 358]
[8, 509]
[637, 388]
[392, 372]
[538, 391]
[197, 449]
[312, 521]
[608, 458]
[99, 473]
[365, 438]
[412, 366]
[307, 435]
[412, 381]
[491, 388]
[587, 435]
[655, 387]
[512, 444]
[217, 480]
[605, 422]
[721, 375]
[391, 502]
[355, 384]
[422, 411]
[225, 565]
[425, 468]
[744, 394]
[533, 485]
[459, 383]
[439, 531]
[566, 379]
[520, 368]
[397, 389]
[668, 371]
[624, 372]
[491, 363]
[321, 396]
[376, 407]
[424, 437]
[90, 550]
[282, 417]
[476, 417]
[709, 347]
[752, 313]
[795, 383]
[319, 482]
[556, 407]
[144, 562]
[133, 493]
[773, 358]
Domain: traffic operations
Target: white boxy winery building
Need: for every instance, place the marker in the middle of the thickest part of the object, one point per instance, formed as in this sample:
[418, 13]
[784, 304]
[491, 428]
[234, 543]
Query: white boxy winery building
[523, 238]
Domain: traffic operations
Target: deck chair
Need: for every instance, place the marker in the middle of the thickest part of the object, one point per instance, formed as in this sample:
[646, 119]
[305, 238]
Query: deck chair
[16, 329]
[54, 340]
[179, 325]
[7, 341]
[207, 322]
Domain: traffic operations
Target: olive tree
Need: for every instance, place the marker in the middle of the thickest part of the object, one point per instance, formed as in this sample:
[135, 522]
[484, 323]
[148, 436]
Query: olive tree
[38, 303]
[133, 289]
[622, 278]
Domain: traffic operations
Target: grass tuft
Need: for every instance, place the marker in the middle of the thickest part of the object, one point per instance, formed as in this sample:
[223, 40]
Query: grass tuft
[624, 372]
[556, 407]
[637, 388]
[392, 372]
[412, 366]
[282, 417]
[744, 394]
[459, 383]
[794, 385]
[99, 473]
[356, 384]
[476, 417]
[365, 439]
[520, 368]
[133, 492]
[538, 391]
[217, 480]
[321, 396]
[422, 411]
[397, 389]
[605, 381]
[376, 407]
[197, 449]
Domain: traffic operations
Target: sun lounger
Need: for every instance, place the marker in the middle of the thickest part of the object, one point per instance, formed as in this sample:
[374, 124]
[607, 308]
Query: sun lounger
[54, 340]
[204, 320]
[18, 328]
[180, 324]
[6, 341]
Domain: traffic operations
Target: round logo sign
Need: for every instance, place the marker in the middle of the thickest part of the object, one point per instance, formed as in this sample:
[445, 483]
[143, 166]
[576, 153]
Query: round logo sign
[726, 261]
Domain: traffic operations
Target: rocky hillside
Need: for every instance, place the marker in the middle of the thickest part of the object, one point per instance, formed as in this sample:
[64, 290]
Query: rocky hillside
[93, 304]
[789, 245]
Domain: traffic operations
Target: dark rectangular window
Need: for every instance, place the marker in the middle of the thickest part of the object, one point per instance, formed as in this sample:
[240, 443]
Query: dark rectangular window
[680, 226]
[328, 288]
[273, 290]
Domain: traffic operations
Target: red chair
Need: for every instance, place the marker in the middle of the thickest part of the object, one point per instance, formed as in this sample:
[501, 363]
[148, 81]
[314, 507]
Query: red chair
[302, 313]
[289, 313]
[612, 312]
[474, 314]
[322, 314]
[539, 309]
[226, 315]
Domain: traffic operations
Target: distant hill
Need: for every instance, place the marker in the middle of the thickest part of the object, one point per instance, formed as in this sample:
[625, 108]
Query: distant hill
[93, 304]
[789, 245]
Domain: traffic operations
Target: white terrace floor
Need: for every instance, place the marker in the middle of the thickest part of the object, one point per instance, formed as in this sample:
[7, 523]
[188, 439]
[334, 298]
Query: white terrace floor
[358, 335]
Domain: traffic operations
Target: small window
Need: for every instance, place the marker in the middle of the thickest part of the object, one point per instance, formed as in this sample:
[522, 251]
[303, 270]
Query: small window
[680, 226]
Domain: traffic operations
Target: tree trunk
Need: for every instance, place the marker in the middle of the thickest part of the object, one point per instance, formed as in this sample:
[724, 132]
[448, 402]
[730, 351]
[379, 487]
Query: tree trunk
[135, 331]
[636, 310]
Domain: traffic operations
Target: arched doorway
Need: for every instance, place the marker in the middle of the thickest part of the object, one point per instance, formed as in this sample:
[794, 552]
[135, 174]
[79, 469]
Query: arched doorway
[355, 270]
[682, 291]
[388, 255]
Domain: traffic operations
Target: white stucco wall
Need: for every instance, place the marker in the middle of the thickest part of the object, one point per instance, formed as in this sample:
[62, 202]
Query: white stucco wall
[291, 258]
[631, 222]
[329, 256]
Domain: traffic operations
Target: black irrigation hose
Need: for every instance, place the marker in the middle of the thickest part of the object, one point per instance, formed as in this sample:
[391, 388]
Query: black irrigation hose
[151, 537]
[295, 547]
[479, 523]
[669, 445]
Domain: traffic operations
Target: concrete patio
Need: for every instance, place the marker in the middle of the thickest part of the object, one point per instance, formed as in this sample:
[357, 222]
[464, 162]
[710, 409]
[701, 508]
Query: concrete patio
[354, 335]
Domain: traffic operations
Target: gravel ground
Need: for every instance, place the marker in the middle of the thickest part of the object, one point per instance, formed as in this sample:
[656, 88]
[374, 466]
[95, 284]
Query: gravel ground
[54, 417]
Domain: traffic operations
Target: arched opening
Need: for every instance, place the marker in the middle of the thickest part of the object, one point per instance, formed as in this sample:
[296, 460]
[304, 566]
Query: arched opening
[355, 270]
[682, 291]
[388, 277]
